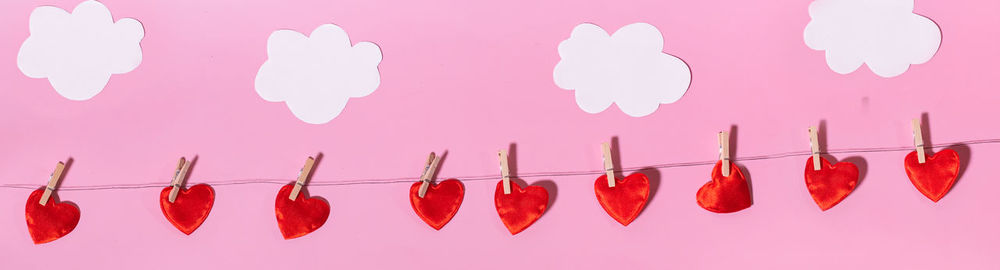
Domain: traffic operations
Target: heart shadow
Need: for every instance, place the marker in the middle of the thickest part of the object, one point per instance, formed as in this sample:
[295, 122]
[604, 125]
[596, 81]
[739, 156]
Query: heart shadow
[747, 177]
[654, 177]
[964, 158]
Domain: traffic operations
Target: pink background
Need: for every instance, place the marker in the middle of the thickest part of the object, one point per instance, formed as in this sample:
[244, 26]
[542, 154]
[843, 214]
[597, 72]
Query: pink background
[470, 78]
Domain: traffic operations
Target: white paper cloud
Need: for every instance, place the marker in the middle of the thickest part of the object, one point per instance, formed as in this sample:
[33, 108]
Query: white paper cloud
[884, 34]
[79, 51]
[627, 68]
[316, 75]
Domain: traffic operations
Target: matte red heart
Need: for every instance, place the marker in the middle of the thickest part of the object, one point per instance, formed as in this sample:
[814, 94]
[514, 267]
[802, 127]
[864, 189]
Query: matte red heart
[520, 208]
[51, 221]
[301, 216]
[936, 175]
[190, 209]
[831, 183]
[439, 204]
[624, 201]
[725, 194]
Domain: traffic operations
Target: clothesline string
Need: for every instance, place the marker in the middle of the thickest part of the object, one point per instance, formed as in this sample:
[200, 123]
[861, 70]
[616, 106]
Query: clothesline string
[411, 179]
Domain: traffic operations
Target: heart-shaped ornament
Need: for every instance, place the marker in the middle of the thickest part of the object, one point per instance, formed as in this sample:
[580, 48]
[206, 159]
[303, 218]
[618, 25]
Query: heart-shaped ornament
[624, 201]
[51, 221]
[190, 209]
[521, 207]
[725, 194]
[439, 204]
[936, 175]
[831, 183]
[301, 216]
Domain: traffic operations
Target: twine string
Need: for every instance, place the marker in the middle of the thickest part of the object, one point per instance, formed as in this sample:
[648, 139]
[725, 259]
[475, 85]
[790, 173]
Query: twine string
[474, 178]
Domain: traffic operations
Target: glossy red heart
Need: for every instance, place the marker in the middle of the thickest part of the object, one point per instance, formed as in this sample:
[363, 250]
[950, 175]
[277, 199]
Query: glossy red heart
[936, 175]
[831, 183]
[624, 201]
[725, 194]
[301, 216]
[521, 207]
[439, 204]
[190, 209]
[51, 221]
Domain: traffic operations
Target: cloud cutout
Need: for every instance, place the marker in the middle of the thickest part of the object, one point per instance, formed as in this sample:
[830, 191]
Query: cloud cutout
[884, 34]
[316, 75]
[79, 51]
[627, 68]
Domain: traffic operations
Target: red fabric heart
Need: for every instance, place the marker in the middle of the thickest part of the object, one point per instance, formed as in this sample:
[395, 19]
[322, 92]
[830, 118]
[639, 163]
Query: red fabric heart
[301, 216]
[189, 209]
[725, 194]
[624, 201]
[51, 221]
[935, 177]
[439, 204]
[521, 207]
[831, 183]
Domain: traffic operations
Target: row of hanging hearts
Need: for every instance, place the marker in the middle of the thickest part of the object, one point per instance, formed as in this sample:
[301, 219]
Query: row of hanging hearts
[436, 204]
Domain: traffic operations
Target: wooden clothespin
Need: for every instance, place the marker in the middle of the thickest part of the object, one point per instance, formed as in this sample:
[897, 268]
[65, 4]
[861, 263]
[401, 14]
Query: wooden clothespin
[432, 162]
[814, 145]
[179, 174]
[918, 141]
[301, 181]
[724, 152]
[609, 166]
[53, 180]
[504, 172]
